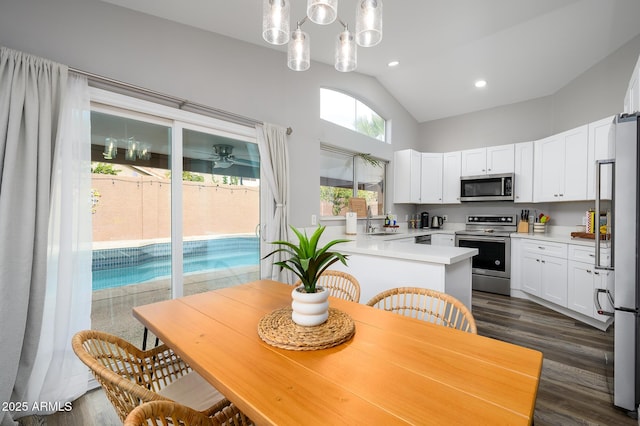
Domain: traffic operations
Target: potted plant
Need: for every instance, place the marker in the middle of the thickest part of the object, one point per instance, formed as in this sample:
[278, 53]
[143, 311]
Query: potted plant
[307, 262]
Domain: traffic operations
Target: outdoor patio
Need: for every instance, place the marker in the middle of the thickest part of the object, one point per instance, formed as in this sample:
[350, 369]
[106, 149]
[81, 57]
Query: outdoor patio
[111, 309]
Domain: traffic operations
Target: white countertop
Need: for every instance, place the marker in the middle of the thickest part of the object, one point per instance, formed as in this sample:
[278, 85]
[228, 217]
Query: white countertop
[561, 235]
[398, 244]
[406, 250]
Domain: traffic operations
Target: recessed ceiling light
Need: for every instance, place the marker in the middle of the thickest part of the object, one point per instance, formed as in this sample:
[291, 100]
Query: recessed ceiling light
[480, 84]
[393, 64]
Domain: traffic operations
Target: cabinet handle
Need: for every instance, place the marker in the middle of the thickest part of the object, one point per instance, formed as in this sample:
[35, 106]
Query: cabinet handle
[597, 273]
[537, 260]
[542, 248]
[562, 195]
[489, 169]
[543, 261]
[592, 255]
[588, 271]
[555, 195]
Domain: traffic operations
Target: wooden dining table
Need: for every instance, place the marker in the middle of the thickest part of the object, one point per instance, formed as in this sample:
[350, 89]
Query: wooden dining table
[394, 370]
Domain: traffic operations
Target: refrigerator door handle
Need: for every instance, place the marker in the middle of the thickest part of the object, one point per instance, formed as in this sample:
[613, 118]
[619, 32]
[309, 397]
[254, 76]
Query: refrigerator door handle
[611, 230]
[596, 300]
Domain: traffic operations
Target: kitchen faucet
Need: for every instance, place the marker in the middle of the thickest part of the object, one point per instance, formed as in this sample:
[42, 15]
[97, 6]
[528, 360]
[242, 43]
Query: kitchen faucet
[369, 228]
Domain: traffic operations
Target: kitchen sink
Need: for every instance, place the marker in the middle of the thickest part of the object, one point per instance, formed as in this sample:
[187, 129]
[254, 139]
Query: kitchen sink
[380, 233]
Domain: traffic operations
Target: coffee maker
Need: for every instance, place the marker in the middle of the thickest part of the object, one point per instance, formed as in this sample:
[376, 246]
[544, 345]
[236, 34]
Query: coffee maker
[424, 220]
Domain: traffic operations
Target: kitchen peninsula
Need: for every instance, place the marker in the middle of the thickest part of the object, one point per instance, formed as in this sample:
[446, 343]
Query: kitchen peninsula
[381, 262]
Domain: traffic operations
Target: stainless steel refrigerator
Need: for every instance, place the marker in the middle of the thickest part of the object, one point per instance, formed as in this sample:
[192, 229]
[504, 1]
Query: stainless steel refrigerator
[625, 233]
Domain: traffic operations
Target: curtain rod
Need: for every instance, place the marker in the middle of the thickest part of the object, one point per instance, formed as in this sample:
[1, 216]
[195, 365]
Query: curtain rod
[179, 102]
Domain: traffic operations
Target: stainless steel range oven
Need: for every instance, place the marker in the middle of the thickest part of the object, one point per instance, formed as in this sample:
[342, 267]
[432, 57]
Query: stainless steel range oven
[492, 265]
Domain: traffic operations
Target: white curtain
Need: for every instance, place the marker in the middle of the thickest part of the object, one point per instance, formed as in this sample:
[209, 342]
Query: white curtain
[274, 165]
[58, 374]
[43, 223]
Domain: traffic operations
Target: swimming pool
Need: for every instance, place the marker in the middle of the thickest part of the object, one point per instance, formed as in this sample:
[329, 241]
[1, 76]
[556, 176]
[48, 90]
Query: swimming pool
[133, 265]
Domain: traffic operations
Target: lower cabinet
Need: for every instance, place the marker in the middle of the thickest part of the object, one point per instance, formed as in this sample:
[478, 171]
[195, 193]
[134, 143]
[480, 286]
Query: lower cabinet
[544, 271]
[443, 240]
[583, 280]
[562, 274]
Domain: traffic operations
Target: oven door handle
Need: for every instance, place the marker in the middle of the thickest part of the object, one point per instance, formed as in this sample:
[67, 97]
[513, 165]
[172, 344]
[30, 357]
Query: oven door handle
[481, 238]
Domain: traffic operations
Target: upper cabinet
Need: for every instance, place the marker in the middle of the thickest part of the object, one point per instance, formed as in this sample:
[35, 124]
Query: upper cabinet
[601, 147]
[431, 178]
[490, 160]
[406, 176]
[451, 165]
[560, 166]
[632, 97]
[523, 170]
[417, 177]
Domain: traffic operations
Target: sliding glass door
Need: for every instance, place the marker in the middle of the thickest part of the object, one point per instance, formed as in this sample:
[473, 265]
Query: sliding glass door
[221, 209]
[131, 193]
[176, 207]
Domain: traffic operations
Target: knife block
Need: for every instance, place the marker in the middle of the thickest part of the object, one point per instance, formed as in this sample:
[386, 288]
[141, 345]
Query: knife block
[523, 227]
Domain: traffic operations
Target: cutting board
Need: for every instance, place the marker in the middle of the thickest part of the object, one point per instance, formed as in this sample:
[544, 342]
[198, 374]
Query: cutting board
[590, 235]
[358, 205]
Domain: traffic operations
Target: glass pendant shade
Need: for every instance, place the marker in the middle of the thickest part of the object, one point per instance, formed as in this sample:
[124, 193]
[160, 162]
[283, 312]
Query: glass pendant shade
[275, 21]
[368, 22]
[322, 12]
[346, 52]
[110, 148]
[130, 154]
[298, 52]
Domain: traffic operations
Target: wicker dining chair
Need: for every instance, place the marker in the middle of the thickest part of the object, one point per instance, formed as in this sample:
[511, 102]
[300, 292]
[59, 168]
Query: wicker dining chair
[428, 305]
[340, 284]
[163, 413]
[131, 377]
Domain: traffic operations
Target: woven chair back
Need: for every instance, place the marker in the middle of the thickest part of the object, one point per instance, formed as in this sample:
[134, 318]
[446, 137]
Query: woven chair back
[163, 413]
[340, 284]
[128, 375]
[428, 305]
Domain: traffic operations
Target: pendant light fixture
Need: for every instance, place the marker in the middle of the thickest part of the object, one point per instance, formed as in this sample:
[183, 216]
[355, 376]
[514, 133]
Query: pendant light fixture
[369, 22]
[299, 51]
[322, 12]
[275, 30]
[275, 21]
[346, 55]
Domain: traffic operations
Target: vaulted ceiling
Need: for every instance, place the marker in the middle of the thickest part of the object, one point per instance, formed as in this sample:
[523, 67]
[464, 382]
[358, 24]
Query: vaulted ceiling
[524, 49]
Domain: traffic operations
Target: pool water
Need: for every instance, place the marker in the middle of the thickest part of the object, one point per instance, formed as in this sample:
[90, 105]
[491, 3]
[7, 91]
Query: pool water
[127, 266]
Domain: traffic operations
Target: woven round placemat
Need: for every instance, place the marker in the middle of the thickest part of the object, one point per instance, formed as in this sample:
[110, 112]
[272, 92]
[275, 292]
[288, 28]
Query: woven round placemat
[278, 329]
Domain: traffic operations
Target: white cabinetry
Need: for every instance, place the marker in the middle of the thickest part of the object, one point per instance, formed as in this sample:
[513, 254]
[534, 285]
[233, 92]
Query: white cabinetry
[417, 177]
[560, 166]
[523, 170]
[632, 97]
[600, 148]
[451, 177]
[490, 160]
[544, 270]
[406, 176]
[583, 281]
[443, 240]
[431, 179]
[562, 277]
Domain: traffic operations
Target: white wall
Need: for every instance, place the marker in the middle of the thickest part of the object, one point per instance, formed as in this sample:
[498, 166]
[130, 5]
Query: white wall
[206, 68]
[597, 93]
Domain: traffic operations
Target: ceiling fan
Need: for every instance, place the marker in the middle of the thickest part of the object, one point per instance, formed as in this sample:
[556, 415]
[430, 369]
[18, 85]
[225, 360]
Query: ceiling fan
[223, 158]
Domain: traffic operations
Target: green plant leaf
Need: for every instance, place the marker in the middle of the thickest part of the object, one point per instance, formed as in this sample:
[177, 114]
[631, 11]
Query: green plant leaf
[305, 260]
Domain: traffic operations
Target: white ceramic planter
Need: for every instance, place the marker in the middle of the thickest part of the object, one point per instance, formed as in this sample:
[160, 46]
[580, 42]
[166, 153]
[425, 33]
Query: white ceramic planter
[310, 309]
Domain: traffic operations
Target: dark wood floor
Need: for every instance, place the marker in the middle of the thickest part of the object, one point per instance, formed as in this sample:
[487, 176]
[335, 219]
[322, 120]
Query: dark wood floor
[577, 373]
[576, 386]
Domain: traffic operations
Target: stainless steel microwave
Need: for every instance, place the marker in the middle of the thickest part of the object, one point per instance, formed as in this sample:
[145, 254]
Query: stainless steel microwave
[497, 187]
